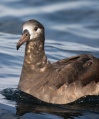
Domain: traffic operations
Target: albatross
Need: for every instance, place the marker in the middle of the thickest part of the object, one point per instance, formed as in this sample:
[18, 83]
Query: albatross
[60, 82]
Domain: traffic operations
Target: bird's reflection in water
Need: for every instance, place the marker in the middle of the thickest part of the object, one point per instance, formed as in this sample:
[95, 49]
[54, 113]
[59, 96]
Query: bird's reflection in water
[68, 111]
[22, 109]
[27, 104]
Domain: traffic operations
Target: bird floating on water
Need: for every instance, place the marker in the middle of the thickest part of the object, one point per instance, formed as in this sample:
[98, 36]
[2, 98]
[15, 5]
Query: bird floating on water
[61, 82]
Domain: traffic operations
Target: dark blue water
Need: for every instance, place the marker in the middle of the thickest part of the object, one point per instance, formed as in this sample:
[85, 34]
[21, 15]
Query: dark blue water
[72, 28]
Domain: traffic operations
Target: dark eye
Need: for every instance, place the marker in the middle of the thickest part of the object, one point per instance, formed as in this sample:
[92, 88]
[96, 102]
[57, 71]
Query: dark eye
[35, 28]
[26, 34]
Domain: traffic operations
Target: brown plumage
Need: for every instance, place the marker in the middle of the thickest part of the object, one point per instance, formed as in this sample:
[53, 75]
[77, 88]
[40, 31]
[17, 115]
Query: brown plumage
[61, 82]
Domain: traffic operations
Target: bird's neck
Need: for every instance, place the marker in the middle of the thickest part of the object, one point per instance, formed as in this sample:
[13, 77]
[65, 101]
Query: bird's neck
[35, 57]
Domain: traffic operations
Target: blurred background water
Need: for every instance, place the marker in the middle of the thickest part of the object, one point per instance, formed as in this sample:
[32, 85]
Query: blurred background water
[72, 28]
